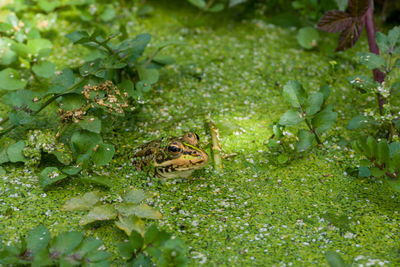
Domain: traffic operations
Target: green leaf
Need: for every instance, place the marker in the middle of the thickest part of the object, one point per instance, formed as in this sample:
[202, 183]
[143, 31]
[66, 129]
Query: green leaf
[151, 234]
[135, 243]
[305, 140]
[314, 103]
[97, 179]
[382, 41]
[44, 69]
[376, 172]
[364, 171]
[308, 37]
[66, 242]
[282, 158]
[39, 47]
[141, 211]
[20, 117]
[163, 60]
[341, 4]
[71, 101]
[8, 56]
[324, 119]
[38, 238]
[10, 80]
[359, 122]
[371, 60]
[395, 184]
[2, 172]
[145, 10]
[198, 3]
[364, 83]
[217, 7]
[90, 68]
[335, 260]
[131, 223]
[108, 14]
[372, 147]
[135, 196]
[87, 246]
[147, 75]
[394, 148]
[62, 156]
[48, 5]
[23, 98]
[143, 86]
[383, 152]
[71, 170]
[291, 117]
[98, 258]
[136, 46]
[84, 141]
[294, 93]
[325, 90]
[394, 36]
[90, 123]
[128, 87]
[99, 213]
[77, 36]
[103, 154]
[62, 81]
[14, 152]
[49, 176]
[85, 202]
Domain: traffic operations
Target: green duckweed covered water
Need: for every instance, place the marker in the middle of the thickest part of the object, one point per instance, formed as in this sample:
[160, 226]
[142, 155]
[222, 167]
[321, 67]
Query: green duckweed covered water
[253, 212]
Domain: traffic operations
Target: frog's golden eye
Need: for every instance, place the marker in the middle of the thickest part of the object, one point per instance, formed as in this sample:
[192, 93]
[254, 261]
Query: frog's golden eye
[174, 149]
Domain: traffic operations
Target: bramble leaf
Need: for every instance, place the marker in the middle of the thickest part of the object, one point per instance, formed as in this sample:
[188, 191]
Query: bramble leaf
[357, 8]
[334, 21]
[349, 36]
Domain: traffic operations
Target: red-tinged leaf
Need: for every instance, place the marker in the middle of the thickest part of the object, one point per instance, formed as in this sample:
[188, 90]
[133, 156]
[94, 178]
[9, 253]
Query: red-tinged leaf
[357, 8]
[334, 21]
[349, 36]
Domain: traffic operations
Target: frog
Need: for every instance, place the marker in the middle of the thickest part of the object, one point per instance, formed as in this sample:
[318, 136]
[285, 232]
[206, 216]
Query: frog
[171, 157]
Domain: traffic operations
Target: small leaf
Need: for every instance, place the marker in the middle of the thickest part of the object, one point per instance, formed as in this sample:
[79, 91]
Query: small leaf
[324, 119]
[99, 213]
[135, 196]
[308, 37]
[108, 14]
[38, 238]
[97, 179]
[65, 242]
[10, 80]
[131, 223]
[103, 154]
[84, 141]
[291, 117]
[362, 82]
[357, 8]
[14, 152]
[198, 3]
[20, 117]
[335, 260]
[84, 202]
[383, 42]
[305, 140]
[383, 155]
[325, 90]
[364, 171]
[376, 172]
[371, 60]
[71, 170]
[147, 75]
[70, 102]
[395, 184]
[44, 69]
[282, 158]
[394, 36]
[141, 211]
[88, 245]
[372, 151]
[349, 36]
[143, 86]
[217, 7]
[49, 176]
[294, 93]
[78, 36]
[128, 87]
[314, 103]
[359, 122]
[90, 123]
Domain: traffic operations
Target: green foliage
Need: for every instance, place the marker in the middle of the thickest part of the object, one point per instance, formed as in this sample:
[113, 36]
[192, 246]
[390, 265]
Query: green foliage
[335, 260]
[129, 212]
[308, 37]
[66, 249]
[154, 247]
[308, 108]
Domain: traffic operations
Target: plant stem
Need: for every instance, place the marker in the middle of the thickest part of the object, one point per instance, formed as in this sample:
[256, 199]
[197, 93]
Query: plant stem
[313, 131]
[151, 57]
[379, 76]
[381, 167]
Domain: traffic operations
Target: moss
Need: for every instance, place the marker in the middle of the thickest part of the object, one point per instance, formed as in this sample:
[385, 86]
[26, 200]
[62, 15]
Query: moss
[252, 212]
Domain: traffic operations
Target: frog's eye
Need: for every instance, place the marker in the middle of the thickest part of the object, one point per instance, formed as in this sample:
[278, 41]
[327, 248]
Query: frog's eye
[191, 138]
[174, 149]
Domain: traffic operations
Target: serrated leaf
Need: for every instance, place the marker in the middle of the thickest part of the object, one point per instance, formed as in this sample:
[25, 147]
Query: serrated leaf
[290, 117]
[99, 213]
[308, 37]
[334, 259]
[371, 60]
[85, 202]
[305, 140]
[294, 93]
[359, 122]
[90, 123]
[66, 242]
[314, 103]
[135, 196]
[103, 154]
[14, 152]
[324, 120]
[97, 179]
[49, 176]
[141, 211]
[44, 69]
[131, 223]
[349, 36]
[38, 238]
[357, 8]
[334, 21]
[10, 80]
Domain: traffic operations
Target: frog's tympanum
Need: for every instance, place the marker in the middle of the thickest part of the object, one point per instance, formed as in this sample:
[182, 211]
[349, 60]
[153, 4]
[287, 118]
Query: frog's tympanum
[173, 157]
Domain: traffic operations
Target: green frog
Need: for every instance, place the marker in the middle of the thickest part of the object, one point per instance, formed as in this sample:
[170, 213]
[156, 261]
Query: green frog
[173, 157]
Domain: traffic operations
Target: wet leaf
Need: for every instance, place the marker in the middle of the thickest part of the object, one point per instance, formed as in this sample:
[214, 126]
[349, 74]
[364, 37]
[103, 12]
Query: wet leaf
[141, 211]
[38, 238]
[66, 242]
[99, 213]
[85, 202]
[10, 80]
[130, 223]
[135, 196]
[14, 152]
[49, 176]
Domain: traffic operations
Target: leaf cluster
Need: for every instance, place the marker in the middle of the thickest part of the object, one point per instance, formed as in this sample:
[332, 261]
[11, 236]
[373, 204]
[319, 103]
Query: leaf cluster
[38, 248]
[308, 108]
[154, 248]
[215, 6]
[128, 213]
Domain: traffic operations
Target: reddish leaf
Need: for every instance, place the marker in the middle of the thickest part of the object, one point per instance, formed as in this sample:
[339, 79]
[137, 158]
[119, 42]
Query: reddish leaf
[334, 21]
[357, 8]
[350, 35]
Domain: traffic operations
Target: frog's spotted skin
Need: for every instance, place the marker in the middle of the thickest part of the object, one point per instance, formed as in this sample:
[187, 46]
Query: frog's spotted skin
[174, 157]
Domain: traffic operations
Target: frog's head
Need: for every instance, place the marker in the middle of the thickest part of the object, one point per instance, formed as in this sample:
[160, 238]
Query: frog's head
[180, 157]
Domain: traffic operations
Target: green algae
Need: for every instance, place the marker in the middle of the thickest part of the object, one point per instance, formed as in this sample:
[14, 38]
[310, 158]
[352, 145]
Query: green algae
[252, 212]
